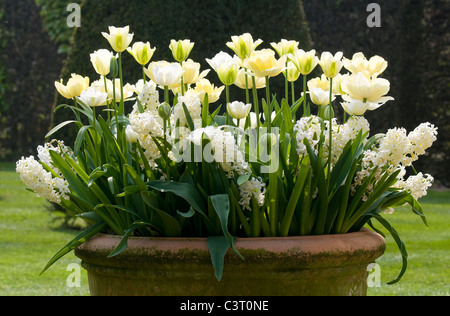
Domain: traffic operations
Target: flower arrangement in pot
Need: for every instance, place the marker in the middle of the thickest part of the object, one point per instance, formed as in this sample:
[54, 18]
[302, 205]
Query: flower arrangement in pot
[266, 169]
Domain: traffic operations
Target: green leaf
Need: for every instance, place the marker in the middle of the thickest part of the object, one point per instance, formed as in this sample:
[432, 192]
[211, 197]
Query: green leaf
[188, 118]
[58, 127]
[293, 200]
[218, 247]
[319, 174]
[189, 214]
[79, 140]
[184, 190]
[400, 244]
[123, 244]
[287, 114]
[205, 110]
[167, 224]
[242, 179]
[77, 241]
[221, 204]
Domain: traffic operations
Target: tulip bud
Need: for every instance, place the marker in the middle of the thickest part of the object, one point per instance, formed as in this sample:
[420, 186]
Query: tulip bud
[181, 49]
[331, 65]
[304, 61]
[329, 113]
[130, 135]
[285, 47]
[225, 67]
[101, 61]
[142, 52]
[114, 68]
[164, 111]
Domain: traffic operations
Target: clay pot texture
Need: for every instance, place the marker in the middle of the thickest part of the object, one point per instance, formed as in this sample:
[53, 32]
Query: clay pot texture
[332, 265]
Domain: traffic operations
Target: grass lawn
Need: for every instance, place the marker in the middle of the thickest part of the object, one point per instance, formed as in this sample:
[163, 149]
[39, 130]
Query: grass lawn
[428, 271]
[29, 238]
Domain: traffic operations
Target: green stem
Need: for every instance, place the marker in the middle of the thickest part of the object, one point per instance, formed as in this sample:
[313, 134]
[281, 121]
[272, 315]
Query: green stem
[304, 95]
[107, 103]
[227, 91]
[182, 81]
[143, 75]
[286, 84]
[256, 105]
[247, 93]
[293, 91]
[115, 105]
[166, 94]
[330, 127]
[269, 108]
[122, 100]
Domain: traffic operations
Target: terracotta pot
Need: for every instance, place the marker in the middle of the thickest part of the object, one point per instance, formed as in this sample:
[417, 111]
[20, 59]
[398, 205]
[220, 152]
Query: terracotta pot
[293, 266]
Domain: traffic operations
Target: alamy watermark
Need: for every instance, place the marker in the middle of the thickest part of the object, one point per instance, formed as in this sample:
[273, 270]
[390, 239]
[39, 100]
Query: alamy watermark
[374, 278]
[374, 18]
[74, 278]
[74, 18]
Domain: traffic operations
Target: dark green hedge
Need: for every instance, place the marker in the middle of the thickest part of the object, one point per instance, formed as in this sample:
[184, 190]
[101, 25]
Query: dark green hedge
[208, 23]
[415, 39]
[30, 65]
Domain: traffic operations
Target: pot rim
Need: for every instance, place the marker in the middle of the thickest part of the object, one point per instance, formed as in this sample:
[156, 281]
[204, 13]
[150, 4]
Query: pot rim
[361, 247]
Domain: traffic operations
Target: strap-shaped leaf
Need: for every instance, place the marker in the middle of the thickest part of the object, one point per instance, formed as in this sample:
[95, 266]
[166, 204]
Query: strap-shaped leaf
[84, 236]
[218, 247]
[58, 127]
[400, 244]
[184, 190]
[293, 200]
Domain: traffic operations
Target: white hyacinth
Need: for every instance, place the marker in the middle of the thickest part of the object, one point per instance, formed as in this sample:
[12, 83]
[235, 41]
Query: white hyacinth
[193, 105]
[148, 95]
[253, 188]
[308, 128]
[418, 185]
[37, 179]
[146, 125]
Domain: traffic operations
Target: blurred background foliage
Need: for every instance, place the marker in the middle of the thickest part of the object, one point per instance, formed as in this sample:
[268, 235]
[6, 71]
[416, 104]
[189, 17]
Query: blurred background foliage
[37, 48]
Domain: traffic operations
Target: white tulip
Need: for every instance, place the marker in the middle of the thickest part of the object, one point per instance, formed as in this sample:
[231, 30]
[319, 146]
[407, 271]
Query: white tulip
[359, 87]
[101, 60]
[320, 97]
[93, 98]
[239, 110]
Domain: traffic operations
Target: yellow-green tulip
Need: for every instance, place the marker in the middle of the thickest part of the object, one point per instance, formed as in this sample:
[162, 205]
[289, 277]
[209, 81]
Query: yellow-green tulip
[225, 67]
[285, 47]
[304, 61]
[192, 72]
[119, 38]
[331, 65]
[74, 86]
[264, 64]
[204, 86]
[181, 49]
[243, 45]
[142, 52]
[240, 80]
